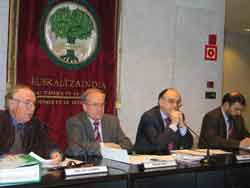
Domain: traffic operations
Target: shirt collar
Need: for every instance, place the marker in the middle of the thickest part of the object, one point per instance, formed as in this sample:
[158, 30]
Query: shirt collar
[92, 121]
[163, 115]
[224, 115]
[15, 124]
[13, 121]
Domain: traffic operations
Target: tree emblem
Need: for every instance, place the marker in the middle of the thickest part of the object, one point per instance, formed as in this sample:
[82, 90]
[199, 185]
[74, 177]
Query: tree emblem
[72, 25]
[70, 34]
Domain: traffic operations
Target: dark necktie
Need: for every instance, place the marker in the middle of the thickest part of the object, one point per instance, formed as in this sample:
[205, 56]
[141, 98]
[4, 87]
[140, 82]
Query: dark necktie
[168, 122]
[230, 128]
[96, 131]
[17, 146]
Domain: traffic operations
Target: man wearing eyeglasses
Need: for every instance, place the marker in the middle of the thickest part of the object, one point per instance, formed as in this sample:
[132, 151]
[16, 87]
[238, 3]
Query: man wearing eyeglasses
[20, 131]
[89, 129]
[162, 128]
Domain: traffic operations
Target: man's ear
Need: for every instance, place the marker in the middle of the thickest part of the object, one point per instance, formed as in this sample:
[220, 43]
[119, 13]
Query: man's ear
[226, 105]
[84, 107]
[11, 104]
[160, 102]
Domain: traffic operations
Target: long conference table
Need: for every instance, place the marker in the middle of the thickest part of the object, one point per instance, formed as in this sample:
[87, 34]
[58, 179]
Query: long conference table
[225, 171]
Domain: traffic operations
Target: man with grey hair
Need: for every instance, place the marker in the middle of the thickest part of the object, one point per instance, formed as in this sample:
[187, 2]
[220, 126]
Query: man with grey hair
[20, 131]
[89, 128]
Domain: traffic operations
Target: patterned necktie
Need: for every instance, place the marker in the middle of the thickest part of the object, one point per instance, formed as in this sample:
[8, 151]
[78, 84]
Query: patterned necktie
[167, 123]
[96, 131]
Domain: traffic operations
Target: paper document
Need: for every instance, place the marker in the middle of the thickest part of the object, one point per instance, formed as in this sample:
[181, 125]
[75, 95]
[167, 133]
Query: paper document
[19, 169]
[139, 159]
[50, 163]
[114, 154]
[46, 163]
[121, 155]
[196, 154]
[15, 161]
[201, 152]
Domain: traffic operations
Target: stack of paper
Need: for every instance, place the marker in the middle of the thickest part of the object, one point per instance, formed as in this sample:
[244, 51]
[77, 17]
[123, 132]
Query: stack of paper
[148, 161]
[196, 154]
[50, 163]
[19, 169]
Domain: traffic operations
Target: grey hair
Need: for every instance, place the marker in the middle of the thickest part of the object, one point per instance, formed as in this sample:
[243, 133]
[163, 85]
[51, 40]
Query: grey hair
[89, 91]
[11, 92]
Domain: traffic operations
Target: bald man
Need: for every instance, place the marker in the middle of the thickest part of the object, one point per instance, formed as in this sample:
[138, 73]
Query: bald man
[163, 128]
[224, 126]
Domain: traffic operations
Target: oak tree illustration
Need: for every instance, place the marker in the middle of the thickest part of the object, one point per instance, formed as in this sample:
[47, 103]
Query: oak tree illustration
[71, 25]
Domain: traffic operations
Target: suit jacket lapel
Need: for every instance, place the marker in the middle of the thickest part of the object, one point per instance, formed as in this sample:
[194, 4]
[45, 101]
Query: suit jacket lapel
[160, 120]
[88, 127]
[105, 130]
[223, 124]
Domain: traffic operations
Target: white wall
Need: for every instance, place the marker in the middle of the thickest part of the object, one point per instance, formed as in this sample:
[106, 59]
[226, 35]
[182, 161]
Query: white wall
[237, 67]
[4, 11]
[162, 46]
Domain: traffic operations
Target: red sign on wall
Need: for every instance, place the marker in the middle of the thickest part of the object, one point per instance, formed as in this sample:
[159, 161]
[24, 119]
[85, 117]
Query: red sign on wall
[211, 48]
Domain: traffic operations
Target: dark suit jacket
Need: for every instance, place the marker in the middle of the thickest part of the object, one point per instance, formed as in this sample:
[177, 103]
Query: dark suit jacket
[81, 135]
[153, 138]
[214, 131]
[35, 136]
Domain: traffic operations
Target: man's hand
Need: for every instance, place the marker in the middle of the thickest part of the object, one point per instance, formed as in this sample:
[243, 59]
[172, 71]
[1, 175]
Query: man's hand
[178, 118]
[245, 142]
[112, 145]
[56, 156]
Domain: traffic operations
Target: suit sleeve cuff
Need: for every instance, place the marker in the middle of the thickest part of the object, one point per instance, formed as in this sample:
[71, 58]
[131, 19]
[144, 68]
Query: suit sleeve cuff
[183, 131]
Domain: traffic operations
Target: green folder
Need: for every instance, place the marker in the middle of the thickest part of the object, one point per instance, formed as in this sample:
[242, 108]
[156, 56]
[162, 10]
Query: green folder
[19, 169]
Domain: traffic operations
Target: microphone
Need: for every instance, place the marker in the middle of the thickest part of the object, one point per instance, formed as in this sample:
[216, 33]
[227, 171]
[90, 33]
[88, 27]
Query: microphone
[81, 151]
[84, 155]
[207, 159]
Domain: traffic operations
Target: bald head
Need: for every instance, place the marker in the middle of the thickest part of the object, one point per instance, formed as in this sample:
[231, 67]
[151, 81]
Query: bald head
[169, 99]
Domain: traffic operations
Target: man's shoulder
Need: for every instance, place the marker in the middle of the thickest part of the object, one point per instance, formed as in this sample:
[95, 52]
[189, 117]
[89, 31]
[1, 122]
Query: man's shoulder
[4, 115]
[110, 117]
[77, 117]
[153, 112]
[215, 113]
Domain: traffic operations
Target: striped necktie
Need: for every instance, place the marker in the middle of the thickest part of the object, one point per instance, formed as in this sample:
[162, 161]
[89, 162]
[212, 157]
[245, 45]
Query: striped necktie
[96, 131]
[170, 145]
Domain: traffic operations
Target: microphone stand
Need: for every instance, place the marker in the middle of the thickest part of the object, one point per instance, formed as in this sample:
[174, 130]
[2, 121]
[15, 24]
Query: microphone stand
[207, 159]
[88, 156]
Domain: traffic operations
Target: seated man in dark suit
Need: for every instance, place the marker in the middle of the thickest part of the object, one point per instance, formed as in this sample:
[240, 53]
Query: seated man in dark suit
[91, 127]
[162, 128]
[20, 130]
[224, 126]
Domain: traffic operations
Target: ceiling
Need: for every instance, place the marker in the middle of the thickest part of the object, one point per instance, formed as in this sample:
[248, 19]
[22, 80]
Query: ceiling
[237, 15]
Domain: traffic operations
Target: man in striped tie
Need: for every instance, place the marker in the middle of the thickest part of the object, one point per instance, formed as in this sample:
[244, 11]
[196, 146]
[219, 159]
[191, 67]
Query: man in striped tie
[88, 129]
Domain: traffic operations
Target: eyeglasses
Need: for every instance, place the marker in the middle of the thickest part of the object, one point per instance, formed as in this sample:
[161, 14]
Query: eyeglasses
[173, 101]
[96, 105]
[28, 104]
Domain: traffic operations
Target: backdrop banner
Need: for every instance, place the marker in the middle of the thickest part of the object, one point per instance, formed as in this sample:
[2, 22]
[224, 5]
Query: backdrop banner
[65, 47]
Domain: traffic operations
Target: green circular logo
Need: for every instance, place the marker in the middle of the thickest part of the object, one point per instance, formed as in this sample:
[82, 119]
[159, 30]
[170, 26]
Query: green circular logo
[70, 34]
